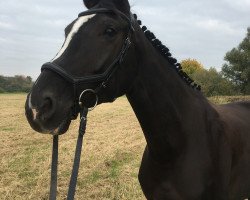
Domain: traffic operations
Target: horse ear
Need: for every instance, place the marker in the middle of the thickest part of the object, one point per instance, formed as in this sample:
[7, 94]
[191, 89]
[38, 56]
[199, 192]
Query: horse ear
[122, 5]
[90, 3]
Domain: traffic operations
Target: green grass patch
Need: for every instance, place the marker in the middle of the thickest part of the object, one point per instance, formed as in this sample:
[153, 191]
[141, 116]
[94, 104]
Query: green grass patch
[111, 171]
[115, 164]
[23, 166]
[95, 176]
[8, 129]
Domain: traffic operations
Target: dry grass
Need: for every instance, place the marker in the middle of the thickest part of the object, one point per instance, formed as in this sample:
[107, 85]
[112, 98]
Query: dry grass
[110, 162]
[228, 99]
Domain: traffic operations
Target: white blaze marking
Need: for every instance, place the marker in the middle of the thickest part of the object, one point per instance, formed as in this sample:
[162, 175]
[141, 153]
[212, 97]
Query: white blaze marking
[77, 25]
[30, 105]
[34, 112]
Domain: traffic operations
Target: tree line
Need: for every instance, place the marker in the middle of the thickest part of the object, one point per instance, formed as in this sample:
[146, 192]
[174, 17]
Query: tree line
[234, 78]
[15, 84]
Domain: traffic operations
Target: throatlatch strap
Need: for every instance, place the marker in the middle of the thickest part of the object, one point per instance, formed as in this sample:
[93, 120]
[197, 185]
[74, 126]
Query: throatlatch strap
[53, 177]
[76, 164]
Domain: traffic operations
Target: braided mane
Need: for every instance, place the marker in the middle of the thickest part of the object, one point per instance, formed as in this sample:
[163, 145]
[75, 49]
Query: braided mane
[166, 54]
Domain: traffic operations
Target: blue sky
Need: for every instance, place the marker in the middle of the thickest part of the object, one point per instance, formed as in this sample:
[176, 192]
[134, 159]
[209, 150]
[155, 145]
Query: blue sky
[32, 32]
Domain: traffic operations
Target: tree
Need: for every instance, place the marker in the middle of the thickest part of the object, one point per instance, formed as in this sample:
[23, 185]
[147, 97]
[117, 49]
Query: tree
[237, 67]
[190, 66]
[213, 83]
[29, 79]
[2, 90]
[15, 84]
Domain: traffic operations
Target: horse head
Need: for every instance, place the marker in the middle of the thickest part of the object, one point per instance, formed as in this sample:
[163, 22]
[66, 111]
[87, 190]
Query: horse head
[96, 63]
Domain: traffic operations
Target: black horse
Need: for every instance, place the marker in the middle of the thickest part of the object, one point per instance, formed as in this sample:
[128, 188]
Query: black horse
[195, 150]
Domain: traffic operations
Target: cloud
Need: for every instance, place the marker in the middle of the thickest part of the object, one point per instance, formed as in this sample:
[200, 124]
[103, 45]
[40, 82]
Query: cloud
[215, 25]
[31, 32]
[5, 25]
[240, 5]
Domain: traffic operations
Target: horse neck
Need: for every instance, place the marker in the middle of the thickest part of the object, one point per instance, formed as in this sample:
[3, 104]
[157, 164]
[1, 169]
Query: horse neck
[162, 101]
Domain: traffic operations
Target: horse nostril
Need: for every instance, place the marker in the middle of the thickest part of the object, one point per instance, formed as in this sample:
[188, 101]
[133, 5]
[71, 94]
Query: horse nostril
[47, 108]
[47, 104]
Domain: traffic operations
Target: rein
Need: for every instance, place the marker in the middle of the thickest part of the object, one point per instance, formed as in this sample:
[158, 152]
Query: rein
[75, 169]
[102, 79]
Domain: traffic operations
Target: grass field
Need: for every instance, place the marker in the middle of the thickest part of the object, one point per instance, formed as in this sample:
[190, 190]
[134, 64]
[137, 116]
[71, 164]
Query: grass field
[111, 157]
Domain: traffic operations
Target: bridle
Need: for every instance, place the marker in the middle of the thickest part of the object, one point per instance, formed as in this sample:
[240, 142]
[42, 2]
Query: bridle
[103, 78]
[79, 106]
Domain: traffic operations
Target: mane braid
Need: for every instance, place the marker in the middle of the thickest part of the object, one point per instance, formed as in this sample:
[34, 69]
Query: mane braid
[166, 54]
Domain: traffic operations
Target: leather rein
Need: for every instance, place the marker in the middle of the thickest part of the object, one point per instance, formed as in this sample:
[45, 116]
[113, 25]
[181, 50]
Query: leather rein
[102, 79]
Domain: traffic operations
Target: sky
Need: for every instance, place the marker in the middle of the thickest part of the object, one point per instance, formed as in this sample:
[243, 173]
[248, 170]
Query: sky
[32, 32]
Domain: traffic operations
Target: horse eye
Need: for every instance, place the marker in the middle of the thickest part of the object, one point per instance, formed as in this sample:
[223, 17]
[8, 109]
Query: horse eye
[110, 32]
